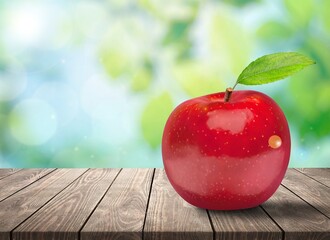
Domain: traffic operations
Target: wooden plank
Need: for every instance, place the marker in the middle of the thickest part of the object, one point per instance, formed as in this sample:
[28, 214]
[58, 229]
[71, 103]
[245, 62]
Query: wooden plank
[297, 218]
[65, 214]
[319, 174]
[245, 224]
[21, 205]
[170, 217]
[308, 189]
[21, 179]
[4, 172]
[121, 213]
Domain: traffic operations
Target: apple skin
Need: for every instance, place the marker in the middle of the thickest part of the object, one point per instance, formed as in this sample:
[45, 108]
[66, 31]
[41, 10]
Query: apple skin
[226, 155]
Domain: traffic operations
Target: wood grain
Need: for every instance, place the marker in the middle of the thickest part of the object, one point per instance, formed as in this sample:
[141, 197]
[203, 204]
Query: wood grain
[170, 217]
[308, 189]
[102, 204]
[121, 213]
[246, 224]
[297, 218]
[65, 215]
[4, 172]
[319, 174]
[24, 203]
[19, 180]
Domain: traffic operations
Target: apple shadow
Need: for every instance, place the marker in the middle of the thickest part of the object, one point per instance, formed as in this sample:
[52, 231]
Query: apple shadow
[292, 211]
[285, 211]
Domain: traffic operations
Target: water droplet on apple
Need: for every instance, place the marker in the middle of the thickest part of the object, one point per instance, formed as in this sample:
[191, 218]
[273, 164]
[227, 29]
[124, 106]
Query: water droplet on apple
[274, 141]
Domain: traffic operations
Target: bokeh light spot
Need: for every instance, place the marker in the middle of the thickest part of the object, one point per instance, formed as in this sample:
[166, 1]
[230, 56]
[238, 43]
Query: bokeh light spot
[26, 24]
[13, 80]
[62, 98]
[32, 122]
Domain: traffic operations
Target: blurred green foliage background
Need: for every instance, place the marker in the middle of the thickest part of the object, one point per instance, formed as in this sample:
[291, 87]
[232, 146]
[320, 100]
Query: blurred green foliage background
[91, 83]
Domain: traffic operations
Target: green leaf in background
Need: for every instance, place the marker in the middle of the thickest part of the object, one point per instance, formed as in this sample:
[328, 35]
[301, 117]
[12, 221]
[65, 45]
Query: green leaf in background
[274, 31]
[197, 78]
[223, 33]
[115, 61]
[310, 94]
[141, 79]
[177, 37]
[325, 16]
[323, 98]
[177, 31]
[301, 12]
[154, 117]
[273, 67]
[312, 107]
[319, 49]
[304, 104]
[241, 3]
[171, 10]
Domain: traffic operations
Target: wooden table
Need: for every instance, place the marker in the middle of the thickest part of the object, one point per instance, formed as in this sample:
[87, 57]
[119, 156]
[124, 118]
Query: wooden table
[141, 204]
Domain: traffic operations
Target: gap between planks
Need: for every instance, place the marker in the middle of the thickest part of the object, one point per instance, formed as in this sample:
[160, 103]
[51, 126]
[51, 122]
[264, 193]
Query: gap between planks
[22, 180]
[77, 201]
[79, 232]
[320, 175]
[309, 190]
[71, 181]
[145, 217]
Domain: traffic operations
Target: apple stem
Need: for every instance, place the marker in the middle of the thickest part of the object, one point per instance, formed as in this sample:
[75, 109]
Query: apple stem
[228, 93]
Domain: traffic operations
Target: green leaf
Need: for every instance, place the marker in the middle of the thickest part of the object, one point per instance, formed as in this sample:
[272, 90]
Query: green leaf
[273, 67]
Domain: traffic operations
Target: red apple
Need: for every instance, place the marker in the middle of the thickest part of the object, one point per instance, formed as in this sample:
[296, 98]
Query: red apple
[226, 155]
